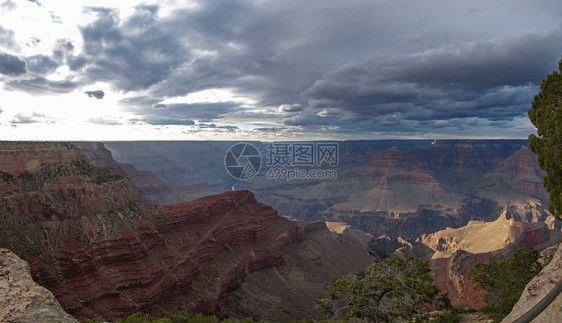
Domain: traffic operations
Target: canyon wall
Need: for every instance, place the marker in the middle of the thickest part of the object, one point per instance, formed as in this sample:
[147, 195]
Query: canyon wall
[455, 251]
[101, 251]
[396, 187]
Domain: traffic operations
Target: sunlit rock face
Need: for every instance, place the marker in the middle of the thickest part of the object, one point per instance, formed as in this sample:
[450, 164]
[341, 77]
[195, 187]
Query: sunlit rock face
[455, 251]
[21, 299]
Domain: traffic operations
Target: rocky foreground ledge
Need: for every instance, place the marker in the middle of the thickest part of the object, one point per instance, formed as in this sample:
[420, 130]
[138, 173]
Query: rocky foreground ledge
[537, 289]
[21, 299]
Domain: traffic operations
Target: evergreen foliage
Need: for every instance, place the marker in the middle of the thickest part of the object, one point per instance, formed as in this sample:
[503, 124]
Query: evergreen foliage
[504, 280]
[546, 115]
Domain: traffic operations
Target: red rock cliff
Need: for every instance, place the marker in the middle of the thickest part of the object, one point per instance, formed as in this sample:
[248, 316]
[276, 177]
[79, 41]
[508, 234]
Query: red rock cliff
[101, 251]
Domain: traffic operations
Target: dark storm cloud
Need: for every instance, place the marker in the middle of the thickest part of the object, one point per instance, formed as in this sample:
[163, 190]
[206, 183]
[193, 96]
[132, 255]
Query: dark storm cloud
[226, 44]
[40, 85]
[270, 129]
[157, 113]
[26, 119]
[439, 75]
[169, 122]
[41, 64]
[274, 54]
[63, 49]
[493, 80]
[11, 65]
[290, 107]
[7, 38]
[32, 71]
[126, 55]
[98, 94]
[214, 126]
[197, 111]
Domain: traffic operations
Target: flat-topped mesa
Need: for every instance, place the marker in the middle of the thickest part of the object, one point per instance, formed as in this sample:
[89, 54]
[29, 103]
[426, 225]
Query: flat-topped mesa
[464, 154]
[17, 158]
[48, 181]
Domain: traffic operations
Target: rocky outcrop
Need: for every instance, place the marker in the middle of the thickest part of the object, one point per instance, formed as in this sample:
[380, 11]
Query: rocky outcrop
[455, 251]
[54, 181]
[150, 188]
[101, 251]
[190, 254]
[17, 158]
[537, 289]
[521, 173]
[21, 299]
[451, 276]
[286, 292]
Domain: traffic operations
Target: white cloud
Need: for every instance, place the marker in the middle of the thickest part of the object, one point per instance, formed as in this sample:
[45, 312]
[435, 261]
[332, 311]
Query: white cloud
[258, 56]
[211, 96]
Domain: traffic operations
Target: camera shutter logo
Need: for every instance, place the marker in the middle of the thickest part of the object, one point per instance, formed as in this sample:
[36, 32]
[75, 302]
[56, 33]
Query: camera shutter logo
[242, 161]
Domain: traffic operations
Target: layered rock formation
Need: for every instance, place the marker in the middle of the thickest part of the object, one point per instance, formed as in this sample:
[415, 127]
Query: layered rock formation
[194, 168]
[521, 173]
[409, 192]
[42, 181]
[537, 289]
[455, 251]
[402, 188]
[101, 251]
[282, 291]
[21, 299]
[151, 188]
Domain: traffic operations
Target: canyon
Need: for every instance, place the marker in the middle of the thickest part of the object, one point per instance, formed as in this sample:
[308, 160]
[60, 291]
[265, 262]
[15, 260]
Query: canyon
[116, 228]
[410, 195]
[101, 251]
[382, 187]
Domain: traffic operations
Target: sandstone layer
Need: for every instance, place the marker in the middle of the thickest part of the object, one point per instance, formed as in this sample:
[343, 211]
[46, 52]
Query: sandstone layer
[455, 251]
[21, 299]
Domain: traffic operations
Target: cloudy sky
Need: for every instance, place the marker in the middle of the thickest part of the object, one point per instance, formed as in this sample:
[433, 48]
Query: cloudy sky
[273, 70]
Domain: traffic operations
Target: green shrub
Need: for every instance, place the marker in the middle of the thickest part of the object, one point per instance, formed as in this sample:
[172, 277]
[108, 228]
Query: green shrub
[504, 280]
[388, 290]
